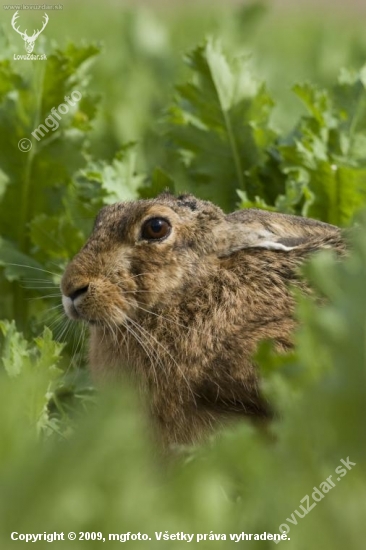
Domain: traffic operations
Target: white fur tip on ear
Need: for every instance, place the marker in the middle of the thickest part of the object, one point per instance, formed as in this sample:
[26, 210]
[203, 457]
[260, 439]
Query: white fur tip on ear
[272, 245]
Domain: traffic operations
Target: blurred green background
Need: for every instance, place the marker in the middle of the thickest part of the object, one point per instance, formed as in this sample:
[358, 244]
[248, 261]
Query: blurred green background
[71, 461]
[143, 43]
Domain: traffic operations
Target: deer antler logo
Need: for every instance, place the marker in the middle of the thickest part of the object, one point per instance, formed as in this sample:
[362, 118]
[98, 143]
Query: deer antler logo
[29, 40]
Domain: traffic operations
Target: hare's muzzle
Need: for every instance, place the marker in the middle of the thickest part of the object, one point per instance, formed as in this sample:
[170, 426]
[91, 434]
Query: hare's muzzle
[94, 294]
[77, 292]
[73, 300]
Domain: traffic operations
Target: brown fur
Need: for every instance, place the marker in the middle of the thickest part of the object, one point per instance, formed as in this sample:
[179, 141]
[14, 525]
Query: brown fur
[184, 315]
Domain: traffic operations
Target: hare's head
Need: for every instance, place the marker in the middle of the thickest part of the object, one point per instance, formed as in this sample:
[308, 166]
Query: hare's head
[148, 252]
[138, 253]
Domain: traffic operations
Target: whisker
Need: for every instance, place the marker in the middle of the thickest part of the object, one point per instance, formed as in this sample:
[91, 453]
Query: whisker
[145, 348]
[39, 280]
[40, 288]
[103, 337]
[140, 275]
[65, 330]
[162, 316]
[167, 352]
[77, 348]
[49, 296]
[51, 318]
[35, 268]
[114, 335]
[57, 306]
[138, 305]
[135, 291]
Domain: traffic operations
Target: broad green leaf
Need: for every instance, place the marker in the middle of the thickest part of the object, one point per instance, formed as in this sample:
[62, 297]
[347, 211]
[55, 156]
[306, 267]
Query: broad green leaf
[16, 264]
[56, 237]
[219, 125]
[339, 193]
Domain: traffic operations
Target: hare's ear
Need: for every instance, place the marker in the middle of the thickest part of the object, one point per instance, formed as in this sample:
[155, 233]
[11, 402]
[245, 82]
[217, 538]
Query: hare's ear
[254, 228]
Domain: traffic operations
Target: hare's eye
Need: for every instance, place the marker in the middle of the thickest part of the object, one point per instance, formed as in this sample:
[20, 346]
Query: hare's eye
[156, 229]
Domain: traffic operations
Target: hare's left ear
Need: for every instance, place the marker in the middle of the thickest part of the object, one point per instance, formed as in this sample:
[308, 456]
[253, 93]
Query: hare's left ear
[254, 228]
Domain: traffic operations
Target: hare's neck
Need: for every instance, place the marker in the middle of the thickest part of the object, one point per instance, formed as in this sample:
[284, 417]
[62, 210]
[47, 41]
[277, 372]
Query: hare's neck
[136, 349]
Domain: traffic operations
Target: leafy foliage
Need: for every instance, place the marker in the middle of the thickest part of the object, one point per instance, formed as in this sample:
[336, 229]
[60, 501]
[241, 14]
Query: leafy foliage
[324, 160]
[74, 461]
[220, 126]
[59, 188]
[243, 480]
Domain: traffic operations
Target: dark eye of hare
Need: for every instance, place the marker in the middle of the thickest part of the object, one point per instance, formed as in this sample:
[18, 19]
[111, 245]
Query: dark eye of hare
[155, 229]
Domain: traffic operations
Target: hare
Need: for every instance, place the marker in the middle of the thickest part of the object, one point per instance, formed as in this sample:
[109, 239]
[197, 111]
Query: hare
[179, 295]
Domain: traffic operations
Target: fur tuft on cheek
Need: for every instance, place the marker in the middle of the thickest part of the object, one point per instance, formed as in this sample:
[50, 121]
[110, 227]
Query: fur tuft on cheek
[108, 303]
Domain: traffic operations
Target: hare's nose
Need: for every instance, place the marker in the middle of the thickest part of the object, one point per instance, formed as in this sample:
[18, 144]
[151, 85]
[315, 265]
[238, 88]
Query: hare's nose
[78, 292]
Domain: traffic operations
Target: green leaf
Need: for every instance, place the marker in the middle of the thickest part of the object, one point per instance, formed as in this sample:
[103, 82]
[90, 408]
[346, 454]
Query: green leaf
[120, 179]
[324, 158]
[56, 237]
[339, 193]
[16, 264]
[256, 203]
[219, 125]
[15, 349]
[160, 181]
[34, 364]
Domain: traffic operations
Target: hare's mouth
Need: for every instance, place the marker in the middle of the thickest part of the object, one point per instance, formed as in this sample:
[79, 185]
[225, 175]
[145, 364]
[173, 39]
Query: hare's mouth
[73, 310]
[97, 303]
[77, 310]
[70, 308]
